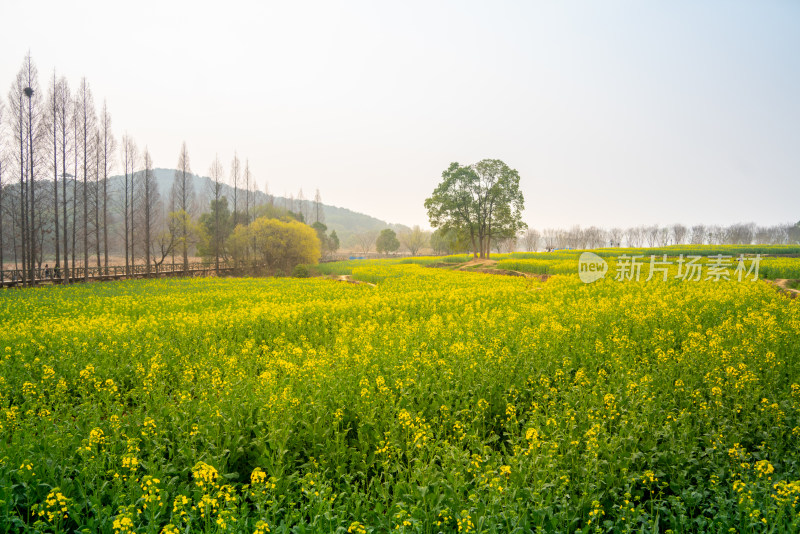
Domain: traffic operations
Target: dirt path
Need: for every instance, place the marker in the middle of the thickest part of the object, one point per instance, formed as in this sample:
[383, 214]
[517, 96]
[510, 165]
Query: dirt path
[476, 263]
[346, 278]
[783, 286]
[486, 266]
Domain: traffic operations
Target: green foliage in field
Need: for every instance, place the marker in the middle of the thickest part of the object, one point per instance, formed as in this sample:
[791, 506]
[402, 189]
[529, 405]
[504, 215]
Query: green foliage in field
[674, 250]
[566, 262]
[437, 401]
[280, 245]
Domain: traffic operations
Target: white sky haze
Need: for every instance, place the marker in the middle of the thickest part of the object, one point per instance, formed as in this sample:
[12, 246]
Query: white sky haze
[615, 113]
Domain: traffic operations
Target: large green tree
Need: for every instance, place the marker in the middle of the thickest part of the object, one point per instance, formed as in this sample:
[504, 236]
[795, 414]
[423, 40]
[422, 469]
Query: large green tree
[387, 241]
[482, 201]
[449, 242]
[328, 243]
[216, 226]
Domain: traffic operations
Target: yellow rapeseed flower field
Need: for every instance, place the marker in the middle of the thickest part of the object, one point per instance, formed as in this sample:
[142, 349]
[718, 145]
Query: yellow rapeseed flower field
[433, 401]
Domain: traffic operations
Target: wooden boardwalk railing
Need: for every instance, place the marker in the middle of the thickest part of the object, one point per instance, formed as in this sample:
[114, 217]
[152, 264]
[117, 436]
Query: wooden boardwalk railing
[51, 275]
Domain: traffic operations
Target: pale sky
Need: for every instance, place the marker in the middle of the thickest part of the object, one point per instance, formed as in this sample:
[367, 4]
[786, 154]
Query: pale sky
[615, 113]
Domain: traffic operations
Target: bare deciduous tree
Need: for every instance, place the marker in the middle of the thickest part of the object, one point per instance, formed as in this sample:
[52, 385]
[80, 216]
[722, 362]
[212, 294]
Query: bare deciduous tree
[679, 232]
[651, 234]
[52, 130]
[530, 240]
[594, 237]
[25, 120]
[270, 198]
[63, 108]
[365, 241]
[549, 238]
[247, 185]
[96, 195]
[634, 236]
[319, 212]
[76, 128]
[151, 201]
[129, 161]
[217, 178]
[698, 236]
[615, 236]
[413, 240]
[17, 123]
[184, 199]
[108, 146]
[236, 182]
[33, 95]
[741, 234]
[302, 206]
[87, 120]
[2, 182]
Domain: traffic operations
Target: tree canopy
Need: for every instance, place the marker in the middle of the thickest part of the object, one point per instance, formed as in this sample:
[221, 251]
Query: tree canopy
[482, 201]
[281, 245]
[387, 241]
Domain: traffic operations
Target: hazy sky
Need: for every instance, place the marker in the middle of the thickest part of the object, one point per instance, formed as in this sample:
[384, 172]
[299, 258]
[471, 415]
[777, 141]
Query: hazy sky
[613, 112]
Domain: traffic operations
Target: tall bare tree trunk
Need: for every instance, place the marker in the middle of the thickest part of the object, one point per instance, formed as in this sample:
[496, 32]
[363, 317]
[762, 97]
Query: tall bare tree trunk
[216, 176]
[133, 220]
[2, 264]
[147, 179]
[23, 199]
[183, 196]
[235, 169]
[84, 96]
[109, 145]
[133, 223]
[247, 191]
[76, 130]
[57, 235]
[97, 197]
[129, 159]
[32, 182]
[63, 98]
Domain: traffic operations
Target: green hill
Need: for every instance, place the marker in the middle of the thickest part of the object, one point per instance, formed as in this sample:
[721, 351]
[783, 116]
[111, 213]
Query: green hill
[346, 222]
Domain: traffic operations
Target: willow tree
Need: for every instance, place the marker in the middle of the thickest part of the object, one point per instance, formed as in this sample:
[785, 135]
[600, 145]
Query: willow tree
[280, 245]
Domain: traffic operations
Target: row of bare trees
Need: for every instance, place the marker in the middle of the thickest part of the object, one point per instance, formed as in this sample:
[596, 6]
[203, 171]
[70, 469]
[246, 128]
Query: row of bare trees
[59, 204]
[652, 236]
[309, 211]
[56, 153]
[411, 240]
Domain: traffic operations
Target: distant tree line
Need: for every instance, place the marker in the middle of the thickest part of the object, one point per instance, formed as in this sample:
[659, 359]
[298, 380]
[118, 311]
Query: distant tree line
[59, 209]
[637, 236]
[411, 241]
